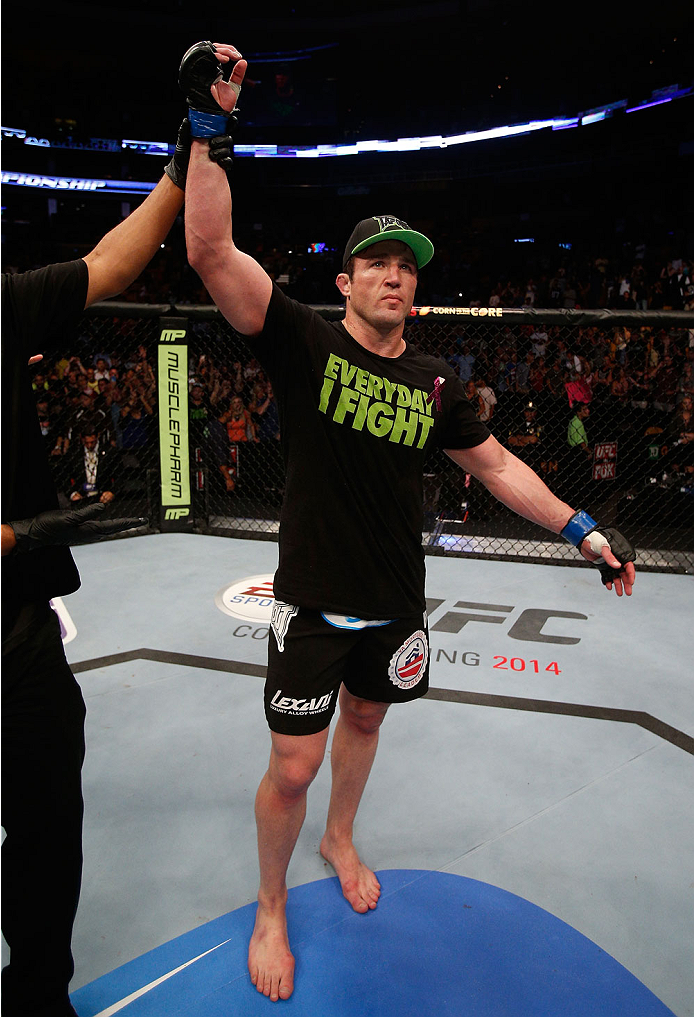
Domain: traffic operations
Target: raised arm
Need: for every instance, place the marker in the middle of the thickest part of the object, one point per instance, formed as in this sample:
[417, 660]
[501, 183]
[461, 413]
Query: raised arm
[520, 489]
[238, 285]
[127, 249]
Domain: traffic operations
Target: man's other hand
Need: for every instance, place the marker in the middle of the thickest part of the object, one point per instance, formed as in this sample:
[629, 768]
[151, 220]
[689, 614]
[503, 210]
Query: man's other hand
[614, 556]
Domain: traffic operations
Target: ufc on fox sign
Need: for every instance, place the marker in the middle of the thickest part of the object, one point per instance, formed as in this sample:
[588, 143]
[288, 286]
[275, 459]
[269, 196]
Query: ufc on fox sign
[173, 424]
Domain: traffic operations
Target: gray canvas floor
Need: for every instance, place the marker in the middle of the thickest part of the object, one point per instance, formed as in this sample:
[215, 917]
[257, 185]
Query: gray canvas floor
[589, 818]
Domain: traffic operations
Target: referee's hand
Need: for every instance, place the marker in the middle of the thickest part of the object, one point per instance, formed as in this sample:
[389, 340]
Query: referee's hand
[68, 528]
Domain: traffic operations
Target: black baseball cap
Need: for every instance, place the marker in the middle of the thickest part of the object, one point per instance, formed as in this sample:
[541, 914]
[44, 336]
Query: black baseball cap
[387, 227]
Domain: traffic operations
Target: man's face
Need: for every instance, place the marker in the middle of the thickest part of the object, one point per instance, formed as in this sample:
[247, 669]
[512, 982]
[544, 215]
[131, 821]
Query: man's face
[383, 284]
[89, 442]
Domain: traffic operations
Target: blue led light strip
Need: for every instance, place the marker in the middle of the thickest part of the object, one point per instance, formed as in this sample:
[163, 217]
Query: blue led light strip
[265, 151]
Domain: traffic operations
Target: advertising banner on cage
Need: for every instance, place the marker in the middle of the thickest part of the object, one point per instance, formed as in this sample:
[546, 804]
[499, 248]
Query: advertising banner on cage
[605, 461]
[172, 363]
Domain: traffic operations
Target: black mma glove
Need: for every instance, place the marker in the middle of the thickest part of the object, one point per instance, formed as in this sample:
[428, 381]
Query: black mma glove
[581, 527]
[200, 69]
[222, 151]
[177, 168]
[67, 528]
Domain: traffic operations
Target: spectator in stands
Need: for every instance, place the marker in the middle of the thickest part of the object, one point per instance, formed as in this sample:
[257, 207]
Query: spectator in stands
[523, 374]
[570, 297]
[463, 360]
[135, 422]
[221, 393]
[263, 410]
[47, 423]
[91, 470]
[142, 366]
[577, 437]
[540, 341]
[85, 409]
[639, 388]
[40, 382]
[687, 379]
[525, 436]
[680, 428]
[475, 398]
[620, 386]
[575, 476]
[675, 278]
[209, 442]
[537, 376]
[488, 397]
[102, 369]
[665, 382]
[238, 422]
[92, 380]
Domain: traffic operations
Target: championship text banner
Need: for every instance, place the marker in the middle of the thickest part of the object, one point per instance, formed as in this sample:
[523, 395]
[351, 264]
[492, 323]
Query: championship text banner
[173, 423]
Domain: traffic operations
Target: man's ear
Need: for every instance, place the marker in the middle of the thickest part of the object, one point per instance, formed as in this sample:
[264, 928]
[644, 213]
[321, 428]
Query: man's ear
[344, 284]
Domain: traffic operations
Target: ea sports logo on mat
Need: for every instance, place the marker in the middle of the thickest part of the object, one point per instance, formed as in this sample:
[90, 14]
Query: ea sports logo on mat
[407, 665]
[249, 599]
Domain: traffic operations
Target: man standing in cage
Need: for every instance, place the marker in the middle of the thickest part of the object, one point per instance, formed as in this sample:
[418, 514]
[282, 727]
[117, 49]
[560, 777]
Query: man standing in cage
[358, 408]
[42, 706]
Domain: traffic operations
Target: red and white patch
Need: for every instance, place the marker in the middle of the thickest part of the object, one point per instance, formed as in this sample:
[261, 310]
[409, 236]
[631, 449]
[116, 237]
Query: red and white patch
[408, 664]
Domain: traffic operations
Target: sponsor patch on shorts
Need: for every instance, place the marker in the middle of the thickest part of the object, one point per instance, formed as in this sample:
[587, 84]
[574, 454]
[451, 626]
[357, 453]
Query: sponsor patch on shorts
[408, 664]
[300, 707]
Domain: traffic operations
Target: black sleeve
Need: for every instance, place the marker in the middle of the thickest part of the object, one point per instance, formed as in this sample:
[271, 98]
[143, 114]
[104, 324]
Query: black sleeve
[287, 323]
[39, 306]
[462, 428]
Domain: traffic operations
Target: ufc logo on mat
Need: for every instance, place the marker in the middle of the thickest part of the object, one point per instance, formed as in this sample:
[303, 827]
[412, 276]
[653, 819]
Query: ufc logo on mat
[528, 627]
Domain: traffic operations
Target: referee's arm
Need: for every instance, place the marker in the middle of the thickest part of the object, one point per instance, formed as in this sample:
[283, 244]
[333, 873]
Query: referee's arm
[120, 256]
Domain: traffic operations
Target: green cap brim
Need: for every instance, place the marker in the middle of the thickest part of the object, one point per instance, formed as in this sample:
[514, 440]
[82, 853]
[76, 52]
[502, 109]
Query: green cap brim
[421, 246]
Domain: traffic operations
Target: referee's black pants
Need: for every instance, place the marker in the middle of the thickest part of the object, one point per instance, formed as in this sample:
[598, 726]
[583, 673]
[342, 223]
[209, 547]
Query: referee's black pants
[42, 753]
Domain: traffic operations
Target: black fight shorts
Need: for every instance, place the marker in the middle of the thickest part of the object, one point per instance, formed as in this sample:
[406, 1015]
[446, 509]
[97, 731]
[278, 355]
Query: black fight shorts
[311, 654]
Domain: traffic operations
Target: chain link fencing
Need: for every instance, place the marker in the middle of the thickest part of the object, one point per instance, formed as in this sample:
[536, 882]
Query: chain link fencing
[597, 402]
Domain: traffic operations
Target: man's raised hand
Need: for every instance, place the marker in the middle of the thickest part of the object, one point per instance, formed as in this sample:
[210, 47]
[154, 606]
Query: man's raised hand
[226, 90]
[210, 76]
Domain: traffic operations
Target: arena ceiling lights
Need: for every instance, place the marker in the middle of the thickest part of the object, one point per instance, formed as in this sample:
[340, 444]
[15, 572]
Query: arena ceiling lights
[160, 148]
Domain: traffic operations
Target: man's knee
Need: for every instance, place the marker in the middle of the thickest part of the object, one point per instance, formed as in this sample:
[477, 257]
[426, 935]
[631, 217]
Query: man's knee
[295, 761]
[363, 715]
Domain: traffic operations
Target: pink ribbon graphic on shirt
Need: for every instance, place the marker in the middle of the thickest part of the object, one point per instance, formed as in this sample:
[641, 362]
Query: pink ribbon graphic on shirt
[436, 394]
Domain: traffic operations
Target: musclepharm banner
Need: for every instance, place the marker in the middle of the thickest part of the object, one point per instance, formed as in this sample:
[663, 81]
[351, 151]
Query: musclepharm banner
[173, 423]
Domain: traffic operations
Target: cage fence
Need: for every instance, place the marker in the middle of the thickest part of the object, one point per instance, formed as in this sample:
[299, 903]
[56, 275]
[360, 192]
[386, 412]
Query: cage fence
[598, 403]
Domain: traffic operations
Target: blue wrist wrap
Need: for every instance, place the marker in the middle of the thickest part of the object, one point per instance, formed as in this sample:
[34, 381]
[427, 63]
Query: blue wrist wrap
[578, 527]
[207, 125]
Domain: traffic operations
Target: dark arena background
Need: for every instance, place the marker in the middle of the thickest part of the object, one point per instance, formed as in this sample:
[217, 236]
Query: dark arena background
[548, 151]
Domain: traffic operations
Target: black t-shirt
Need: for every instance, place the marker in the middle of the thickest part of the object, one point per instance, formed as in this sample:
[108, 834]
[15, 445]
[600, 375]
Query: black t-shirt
[355, 428]
[37, 309]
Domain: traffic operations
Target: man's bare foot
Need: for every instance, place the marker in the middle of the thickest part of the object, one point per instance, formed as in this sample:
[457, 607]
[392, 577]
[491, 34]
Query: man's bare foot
[270, 961]
[359, 884]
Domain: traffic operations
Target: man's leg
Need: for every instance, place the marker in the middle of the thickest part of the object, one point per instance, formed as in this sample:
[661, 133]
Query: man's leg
[280, 808]
[352, 755]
